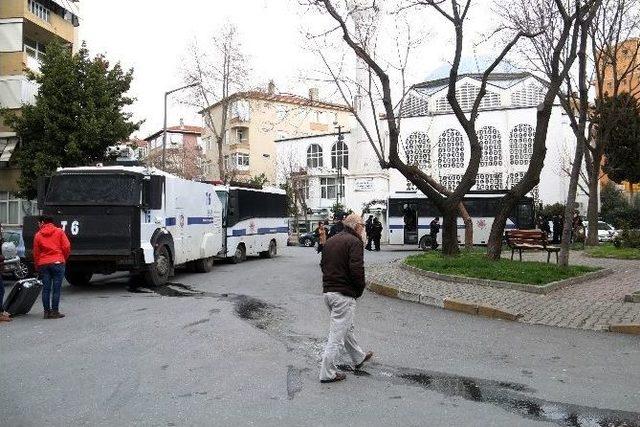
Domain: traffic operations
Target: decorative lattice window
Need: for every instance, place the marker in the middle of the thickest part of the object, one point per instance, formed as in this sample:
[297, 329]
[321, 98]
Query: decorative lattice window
[489, 181]
[340, 155]
[515, 177]
[450, 149]
[450, 181]
[466, 95]
[414, 106]
[521, 144]
[529, 96]
[417, 150]
[314, 156]
[491, 143]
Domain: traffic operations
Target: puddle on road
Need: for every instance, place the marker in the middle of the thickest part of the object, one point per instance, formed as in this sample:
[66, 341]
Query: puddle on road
[259, 313]
[510, 397]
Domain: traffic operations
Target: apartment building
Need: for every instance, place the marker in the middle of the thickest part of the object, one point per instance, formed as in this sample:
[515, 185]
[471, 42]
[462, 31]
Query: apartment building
[26, 26]
[184, 155]
[256, 119]
[627, 54]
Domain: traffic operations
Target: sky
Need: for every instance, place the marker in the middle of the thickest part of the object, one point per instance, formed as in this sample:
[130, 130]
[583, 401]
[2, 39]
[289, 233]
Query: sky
[151, 37]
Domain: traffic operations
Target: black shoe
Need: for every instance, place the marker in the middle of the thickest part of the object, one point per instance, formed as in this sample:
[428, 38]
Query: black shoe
[339, 377]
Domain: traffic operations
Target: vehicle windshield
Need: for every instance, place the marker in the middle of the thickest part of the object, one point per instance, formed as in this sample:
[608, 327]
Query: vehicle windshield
[11, 237]
[603, 226]
[94, 189]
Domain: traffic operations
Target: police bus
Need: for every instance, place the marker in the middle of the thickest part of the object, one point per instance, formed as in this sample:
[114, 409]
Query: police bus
[411, 212]
[147, 222]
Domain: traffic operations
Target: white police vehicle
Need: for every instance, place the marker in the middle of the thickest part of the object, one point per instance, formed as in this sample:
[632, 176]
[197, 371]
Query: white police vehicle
[146, 221]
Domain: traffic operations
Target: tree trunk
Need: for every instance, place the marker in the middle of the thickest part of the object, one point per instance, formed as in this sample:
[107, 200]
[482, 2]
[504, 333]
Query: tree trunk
[571, 202]
[450, 233]
[494, 244]
[221, 171]
[592, 207]
[468, 226]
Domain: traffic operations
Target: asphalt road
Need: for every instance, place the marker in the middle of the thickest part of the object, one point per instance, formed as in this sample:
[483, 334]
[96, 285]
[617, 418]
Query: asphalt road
[241, 345]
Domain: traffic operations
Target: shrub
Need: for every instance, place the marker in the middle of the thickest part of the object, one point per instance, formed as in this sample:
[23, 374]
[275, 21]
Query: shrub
[627, 239]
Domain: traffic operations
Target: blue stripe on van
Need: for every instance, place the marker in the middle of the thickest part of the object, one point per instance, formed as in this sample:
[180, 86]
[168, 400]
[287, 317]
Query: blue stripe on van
[241, 232]
[273, 230]
[170, 221]
[199, 220]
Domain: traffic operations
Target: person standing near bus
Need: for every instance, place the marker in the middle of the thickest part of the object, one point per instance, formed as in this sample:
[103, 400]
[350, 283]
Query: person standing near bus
[337, 226]
[434, 229]
[321, 235]
[376, 233]
[4, 316]
[367, 229]
[51, 249]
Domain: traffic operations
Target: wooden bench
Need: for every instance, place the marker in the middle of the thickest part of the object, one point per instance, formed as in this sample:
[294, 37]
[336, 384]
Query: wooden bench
[530, 240]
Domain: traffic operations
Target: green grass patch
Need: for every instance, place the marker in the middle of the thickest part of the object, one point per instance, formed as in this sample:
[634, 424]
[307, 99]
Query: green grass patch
[477, 265]
[607, 250]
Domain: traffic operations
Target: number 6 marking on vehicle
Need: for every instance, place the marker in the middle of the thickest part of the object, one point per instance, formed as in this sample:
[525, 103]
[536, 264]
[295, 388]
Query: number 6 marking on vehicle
[75, 228]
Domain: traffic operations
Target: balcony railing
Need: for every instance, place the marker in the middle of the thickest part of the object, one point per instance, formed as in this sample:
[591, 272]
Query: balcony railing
[39, 10]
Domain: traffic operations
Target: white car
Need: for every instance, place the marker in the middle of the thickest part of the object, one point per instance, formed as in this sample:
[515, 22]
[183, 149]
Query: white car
[606, 232]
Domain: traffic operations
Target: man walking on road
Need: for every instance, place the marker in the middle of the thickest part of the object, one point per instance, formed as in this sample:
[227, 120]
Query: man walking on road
[343, 282]
[51, 248]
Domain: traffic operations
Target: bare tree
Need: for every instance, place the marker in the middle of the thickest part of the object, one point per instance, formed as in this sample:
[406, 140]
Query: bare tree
[553, 53]
[578, 112]
[348, 15]
[221, 69]
[186, 161]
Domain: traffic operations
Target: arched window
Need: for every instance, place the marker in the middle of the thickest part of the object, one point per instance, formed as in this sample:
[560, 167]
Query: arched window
[314, 156]
[417, 149]
[450, 149]
[521, 144]
[339, 155]
[491, 143]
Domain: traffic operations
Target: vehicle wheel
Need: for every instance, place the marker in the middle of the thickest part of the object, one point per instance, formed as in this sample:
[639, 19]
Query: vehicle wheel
[240, 255]
[272, 252]
[204, 265]
[158, 272]
[78, 277]
[308, 243]
[21, 271]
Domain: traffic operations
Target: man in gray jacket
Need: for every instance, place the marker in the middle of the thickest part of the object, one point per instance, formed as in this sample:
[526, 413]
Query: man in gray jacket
[343, 282]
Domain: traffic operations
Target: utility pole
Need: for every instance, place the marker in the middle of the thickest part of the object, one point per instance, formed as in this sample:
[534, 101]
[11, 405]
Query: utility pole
[164, 127]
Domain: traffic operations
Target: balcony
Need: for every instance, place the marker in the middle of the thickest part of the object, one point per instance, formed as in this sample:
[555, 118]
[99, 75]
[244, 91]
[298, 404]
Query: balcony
[44, 15]
[15, 91]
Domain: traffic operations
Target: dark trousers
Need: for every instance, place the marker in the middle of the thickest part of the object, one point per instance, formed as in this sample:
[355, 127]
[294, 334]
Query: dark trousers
[51, 276]
[369, 239]
[1, 292]
[376, 243]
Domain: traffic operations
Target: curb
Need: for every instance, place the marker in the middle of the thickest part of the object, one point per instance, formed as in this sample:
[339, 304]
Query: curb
[632, 329]
[544, 289]
[446, 303]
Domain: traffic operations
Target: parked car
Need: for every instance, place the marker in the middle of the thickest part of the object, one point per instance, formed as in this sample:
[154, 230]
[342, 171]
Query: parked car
[308, 239]
[606, 232]
[20, 268]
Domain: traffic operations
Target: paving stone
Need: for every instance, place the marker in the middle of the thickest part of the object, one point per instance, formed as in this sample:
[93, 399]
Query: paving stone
[590, 305]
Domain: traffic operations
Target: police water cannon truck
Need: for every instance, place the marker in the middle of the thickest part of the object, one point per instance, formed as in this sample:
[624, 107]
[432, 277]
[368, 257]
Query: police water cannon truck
[143, 220]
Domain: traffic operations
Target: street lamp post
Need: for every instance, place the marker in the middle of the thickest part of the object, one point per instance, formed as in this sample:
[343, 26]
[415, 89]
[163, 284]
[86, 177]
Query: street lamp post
[339, 152]
[164, 127]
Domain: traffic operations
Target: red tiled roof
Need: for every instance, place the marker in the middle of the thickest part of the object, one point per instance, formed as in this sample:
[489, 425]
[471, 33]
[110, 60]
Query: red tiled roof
[286, 98]
[187, 129]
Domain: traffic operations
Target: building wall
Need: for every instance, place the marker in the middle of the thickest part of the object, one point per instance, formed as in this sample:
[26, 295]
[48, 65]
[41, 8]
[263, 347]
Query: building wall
[267, 121]
[554, 179]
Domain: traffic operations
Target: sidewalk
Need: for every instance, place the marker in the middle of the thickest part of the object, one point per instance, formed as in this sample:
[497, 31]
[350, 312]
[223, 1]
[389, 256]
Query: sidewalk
[593, 305]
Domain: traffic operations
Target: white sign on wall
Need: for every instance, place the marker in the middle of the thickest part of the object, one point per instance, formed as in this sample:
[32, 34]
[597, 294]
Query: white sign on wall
[364, 184]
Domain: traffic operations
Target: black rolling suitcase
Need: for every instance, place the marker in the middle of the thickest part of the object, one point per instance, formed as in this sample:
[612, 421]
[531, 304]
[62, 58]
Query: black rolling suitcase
[22, 297]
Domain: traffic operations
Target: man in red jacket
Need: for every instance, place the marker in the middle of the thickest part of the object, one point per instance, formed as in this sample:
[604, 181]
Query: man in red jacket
[51, 248]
